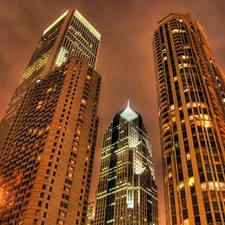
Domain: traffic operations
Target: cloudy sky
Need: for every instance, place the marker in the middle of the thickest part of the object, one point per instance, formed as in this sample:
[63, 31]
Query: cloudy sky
[125, 59]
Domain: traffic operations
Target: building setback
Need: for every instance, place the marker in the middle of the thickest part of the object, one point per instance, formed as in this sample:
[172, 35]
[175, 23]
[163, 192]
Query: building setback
[69, 35]
[191, 98]
[46, 161]
[127, 193]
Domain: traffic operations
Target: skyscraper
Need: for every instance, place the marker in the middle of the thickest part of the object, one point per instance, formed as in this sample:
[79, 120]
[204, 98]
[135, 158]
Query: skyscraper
[46, 161]
[90, 213]
[70, 35]
[127, 193]
[191, 98]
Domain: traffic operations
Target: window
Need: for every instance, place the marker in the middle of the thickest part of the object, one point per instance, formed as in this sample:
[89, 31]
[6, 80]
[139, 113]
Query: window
[62, 213]
[69, 174]
[65, 196]
[68, 181]
[60, 222]
[67, 189]
[64, 205]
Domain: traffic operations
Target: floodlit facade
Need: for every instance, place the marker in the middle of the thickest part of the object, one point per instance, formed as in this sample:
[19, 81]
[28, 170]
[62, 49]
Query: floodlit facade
[69, 35]
[191, 98]
[47, 159]
[127, 193]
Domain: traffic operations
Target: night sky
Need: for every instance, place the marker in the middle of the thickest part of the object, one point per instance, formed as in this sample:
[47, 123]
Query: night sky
[125, 59]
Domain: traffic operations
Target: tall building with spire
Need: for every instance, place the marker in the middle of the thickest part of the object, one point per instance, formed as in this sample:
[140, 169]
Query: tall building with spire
[127, 193]
[69, 35]
[191, 99]
[46, 162]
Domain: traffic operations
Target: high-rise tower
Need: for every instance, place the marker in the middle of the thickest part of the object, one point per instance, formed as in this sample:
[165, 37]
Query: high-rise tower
[191, 99]
[127, 193]
[90, 213]
[46, 161]
[70, 35]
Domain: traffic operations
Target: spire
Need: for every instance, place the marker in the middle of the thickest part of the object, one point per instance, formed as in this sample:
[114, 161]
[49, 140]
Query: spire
[128, 103]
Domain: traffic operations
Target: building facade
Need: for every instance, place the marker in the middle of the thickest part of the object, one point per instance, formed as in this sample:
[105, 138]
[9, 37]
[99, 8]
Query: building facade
[90, 213]
[191, 98]
[46, 161]
[70, 35]
[127, 193]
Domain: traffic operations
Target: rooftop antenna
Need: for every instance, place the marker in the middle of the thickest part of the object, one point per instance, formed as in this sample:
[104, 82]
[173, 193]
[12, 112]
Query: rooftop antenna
[128, 103]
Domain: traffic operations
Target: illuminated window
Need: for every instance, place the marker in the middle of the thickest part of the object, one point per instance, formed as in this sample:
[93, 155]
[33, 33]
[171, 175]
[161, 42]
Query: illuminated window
[39, 105]
[173, 119]
[171, 107]
[188, 156]
[60, 222]
[191, 181]
[71, 168]
[62, 213]
[67, 189]
[49, 90]
[181, 185]
[40, 132]
[78, 131]
[174, 31]
[70, 174]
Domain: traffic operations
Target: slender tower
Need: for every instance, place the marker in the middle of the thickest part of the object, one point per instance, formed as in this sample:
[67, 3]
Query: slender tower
[127, 193]
[70, 35]
[46, 161]
[90, 213]
[191, 98]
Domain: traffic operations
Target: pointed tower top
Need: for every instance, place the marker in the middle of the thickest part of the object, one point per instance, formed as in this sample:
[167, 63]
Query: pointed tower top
[128, 103]
[128, 113]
